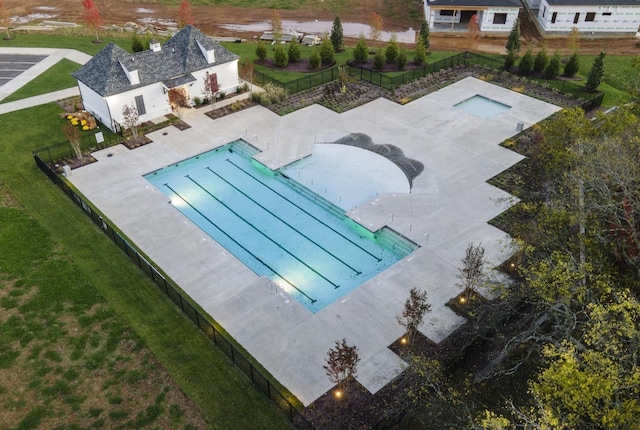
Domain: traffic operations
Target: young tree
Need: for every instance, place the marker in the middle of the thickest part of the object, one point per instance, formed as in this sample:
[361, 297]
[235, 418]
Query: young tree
[401, 59]
[379, 60]
[392, 49]
[261, 51]
[136, 43]
[471, 274]
[596, 73]
[541, 61]
[361, 51]
[420, 54]
[413, 313]
[276, 26]
[294, 52]
[574, 39]
[375, 28]
[513, 42]
[5, 21]
[73, 135]
[342, 364]
[572, 66]
[130, 120]
[92, 17]
[314, 60]
[337, 35]
[423, 35]
[326, 51]
[185, 16]
[509, 60]
[553, 68]
[280, 57]
[525, 66]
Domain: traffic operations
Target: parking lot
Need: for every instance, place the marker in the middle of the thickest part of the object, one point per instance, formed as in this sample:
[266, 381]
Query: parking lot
[11, 65]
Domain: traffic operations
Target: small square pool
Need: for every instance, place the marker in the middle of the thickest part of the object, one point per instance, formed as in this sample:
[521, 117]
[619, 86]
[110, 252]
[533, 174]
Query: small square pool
[482, 107]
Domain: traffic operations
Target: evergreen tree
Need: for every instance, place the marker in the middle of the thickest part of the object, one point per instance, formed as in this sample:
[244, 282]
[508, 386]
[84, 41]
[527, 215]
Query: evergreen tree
[314, 60]
[525, 66]
[326, 51]
[509, 60]
[424, 35]
[337, 35]
[420, 54]
[280, 57]
[513, 43]
[572, 66]
[361, 52]
[596, 73]
[392, 49]
[261, 51]
[541, 61]
[294, 52]
[136, 44]
[553, 68]
[379, 60]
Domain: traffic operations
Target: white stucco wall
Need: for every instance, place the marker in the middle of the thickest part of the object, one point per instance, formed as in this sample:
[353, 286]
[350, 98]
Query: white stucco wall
[622, 19]
[228, 80]
[156, 102]
[94, 104]
[485, 20]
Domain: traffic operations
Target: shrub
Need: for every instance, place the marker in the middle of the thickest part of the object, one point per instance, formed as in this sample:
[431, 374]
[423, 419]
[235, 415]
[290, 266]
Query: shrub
[401, 60]
[541, 61]
[526, 63]
[294, 52]
[379, 60]
[553, 68]
[272, 94]
[361, 52]
[420, 54]
[509, 60]
[314, 60]
[336, 34]
[392, 49]
[326, 51]
[136, 44]
[572, 66]
[596, 73]
[280, 57]
[261, 51]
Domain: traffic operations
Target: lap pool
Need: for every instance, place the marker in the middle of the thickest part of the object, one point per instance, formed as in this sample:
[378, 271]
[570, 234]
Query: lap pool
[277, 227]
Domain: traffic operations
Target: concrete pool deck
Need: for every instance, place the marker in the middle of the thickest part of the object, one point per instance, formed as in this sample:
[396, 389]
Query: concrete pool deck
[448, 208]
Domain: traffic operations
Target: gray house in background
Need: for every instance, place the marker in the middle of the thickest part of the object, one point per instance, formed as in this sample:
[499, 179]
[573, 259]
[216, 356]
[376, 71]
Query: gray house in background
[156, 81]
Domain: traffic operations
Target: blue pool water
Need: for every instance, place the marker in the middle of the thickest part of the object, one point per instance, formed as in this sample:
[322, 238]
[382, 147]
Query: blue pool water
[482, 106]
[276, 227]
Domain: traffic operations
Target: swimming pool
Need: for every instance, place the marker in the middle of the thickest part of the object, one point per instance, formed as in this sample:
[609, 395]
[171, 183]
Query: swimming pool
[481, 106]
[277, 227]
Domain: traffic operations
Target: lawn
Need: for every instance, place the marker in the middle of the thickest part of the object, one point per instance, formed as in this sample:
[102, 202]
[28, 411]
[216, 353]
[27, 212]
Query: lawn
[58, 77]
[60, 267]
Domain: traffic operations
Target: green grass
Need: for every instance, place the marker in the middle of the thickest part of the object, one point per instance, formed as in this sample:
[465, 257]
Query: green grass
[94, 269]
[58, 77]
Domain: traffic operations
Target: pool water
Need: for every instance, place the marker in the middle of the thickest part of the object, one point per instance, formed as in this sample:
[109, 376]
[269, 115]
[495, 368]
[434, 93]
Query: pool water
[482, 107]
[277, 227]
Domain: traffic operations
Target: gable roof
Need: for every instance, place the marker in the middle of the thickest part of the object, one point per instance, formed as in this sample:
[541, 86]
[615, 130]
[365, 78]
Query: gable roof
[177, 58]
[451, 4]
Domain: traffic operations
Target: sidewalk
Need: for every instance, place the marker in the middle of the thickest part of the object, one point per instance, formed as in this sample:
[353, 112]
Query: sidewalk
[53, 56]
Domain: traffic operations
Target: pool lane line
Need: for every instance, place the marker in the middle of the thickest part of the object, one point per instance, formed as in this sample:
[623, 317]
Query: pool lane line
[335, 286]
[240, 245]
[304, 210]
[353, 269]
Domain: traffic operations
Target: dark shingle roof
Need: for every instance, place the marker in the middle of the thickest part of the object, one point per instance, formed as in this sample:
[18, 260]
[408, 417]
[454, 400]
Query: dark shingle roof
[594, 2]
[178, 57]
[477, 3]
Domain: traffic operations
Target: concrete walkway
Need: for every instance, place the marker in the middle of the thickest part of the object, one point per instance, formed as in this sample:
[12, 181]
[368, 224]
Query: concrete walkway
[53, 56]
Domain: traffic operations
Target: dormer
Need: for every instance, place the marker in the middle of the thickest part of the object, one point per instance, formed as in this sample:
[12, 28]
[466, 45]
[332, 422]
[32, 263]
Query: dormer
[132, 75]
[154, 45]
[209, 55]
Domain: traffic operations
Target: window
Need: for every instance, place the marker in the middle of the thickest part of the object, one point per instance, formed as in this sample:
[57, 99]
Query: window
[500, 18]
[576, 18]
[140, 105]
[606, 13]
[449, 12]
[591, 16]
[554, 16]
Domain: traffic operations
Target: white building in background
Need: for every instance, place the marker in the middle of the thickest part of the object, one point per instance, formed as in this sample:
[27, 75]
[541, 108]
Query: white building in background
[490, 16]
[155, 81]
[597, 17]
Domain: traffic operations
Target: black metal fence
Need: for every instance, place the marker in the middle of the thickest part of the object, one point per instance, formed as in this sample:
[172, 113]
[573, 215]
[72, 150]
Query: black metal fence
[304, 83]
[257, 378]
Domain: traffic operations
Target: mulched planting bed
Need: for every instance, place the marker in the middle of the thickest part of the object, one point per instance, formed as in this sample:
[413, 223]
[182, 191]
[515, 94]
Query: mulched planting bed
[229, 109]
